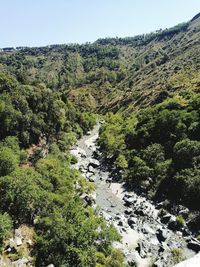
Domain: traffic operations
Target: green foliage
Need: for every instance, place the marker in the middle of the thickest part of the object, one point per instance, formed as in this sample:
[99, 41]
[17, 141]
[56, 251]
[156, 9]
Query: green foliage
[121, 162]
[8, 161]
[5, 227]
[111, 135]
[68, 237]
[159, 148]
[186, 154]
[180, 220]
[49, 94]
[177, 255]
[153, 154]
[139, 170]
[23, 194]
[87, 121]
[188, 186]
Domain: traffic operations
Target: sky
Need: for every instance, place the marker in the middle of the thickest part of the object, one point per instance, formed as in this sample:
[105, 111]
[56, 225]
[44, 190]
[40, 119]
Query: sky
[44, 22]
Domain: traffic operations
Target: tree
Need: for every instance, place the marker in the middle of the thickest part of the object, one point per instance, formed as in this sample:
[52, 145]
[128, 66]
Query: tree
[8, 161]
[184, 153]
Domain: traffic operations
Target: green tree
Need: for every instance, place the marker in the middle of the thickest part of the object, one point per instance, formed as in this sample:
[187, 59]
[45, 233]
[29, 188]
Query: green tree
[8, 161]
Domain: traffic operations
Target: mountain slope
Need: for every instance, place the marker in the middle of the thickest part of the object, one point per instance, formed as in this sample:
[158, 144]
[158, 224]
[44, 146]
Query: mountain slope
[114, 73]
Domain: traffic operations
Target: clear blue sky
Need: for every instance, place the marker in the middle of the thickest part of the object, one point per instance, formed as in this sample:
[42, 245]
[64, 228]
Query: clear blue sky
[43, 22]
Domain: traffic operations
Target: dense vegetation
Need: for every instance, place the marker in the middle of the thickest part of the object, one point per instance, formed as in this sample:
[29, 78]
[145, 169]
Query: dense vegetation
[37, 186]
[158, 149]
[48, 98]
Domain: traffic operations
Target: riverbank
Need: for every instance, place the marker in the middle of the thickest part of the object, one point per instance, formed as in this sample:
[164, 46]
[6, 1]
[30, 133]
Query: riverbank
[145, 238]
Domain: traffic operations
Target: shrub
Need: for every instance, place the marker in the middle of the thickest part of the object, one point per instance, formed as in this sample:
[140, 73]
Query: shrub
[5, 227]
[8, 161]
[177, 255]
[180, 220]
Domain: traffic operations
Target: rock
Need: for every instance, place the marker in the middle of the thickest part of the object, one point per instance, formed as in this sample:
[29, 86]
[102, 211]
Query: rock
[146, 229]
[88, 199]
[184, 212]
[162, 234]
[88, 175]
[94, 163]
[128, 211]
[142, 248]
[21, 262]
[91, 169]
[128, 195]
[107, 216]
[18, 241]
[29, 242]
[140, 212]
[164, 204]
[154, 241]
[166, 218]
[92, 179]
[132, 221]
[118, 217]
[82, 168]
[50, 265]
[171, 221]
[194, 244]
[120, 223]
[129, 201]
[172, 224]
[108, 180]
[158, 263]
[186, 231]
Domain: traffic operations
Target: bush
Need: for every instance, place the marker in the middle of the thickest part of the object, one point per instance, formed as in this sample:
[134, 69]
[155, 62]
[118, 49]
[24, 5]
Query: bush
[177, 255]
[5, 227]
[180, 220]
[8, 161]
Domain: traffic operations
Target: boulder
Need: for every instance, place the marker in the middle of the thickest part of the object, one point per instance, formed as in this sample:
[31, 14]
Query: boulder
[186, 231]
[140, 212]
[172, 224]
[129, 201]
[94, 163]
[108, 180]
[89, 174]
[194, 244]
[142, 248]
[92, 179]
[162, 234]
[91, 169]
[166, 218]
[132, 221]
[18, 241]
[21, 262]
[158, 263]
[146, 229]
[128, 211]
[120, 223]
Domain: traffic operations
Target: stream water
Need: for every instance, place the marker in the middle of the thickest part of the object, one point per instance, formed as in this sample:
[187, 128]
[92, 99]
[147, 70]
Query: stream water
[145, 239]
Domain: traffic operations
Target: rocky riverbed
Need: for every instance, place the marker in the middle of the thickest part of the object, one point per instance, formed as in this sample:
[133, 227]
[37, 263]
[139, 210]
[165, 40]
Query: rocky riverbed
[147, 238]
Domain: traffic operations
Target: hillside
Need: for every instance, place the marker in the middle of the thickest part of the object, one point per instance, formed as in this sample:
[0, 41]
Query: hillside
[128, 73]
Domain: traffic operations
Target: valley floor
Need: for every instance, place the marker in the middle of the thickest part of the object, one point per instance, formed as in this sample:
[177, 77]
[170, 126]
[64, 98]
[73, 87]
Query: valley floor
[145, 239]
